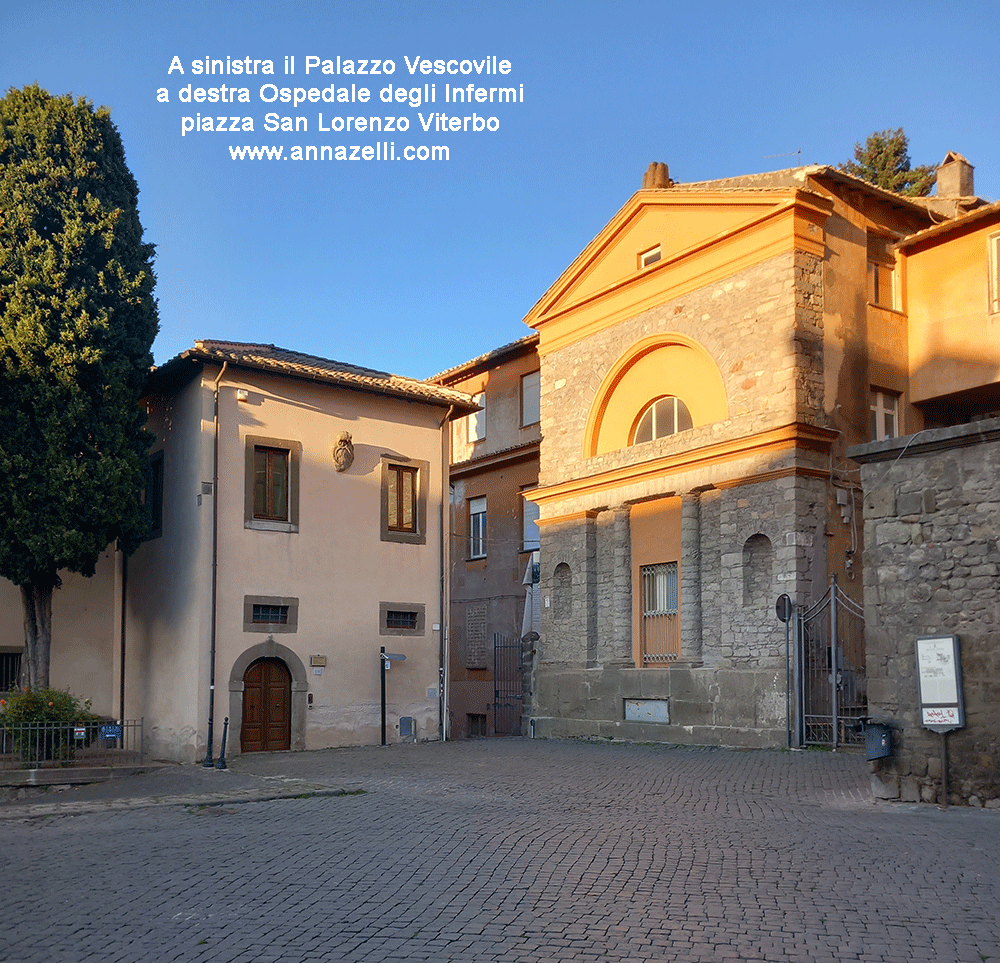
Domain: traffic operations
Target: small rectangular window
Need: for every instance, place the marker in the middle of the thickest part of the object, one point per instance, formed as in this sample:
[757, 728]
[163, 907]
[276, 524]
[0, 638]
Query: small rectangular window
[530, 398]
[402, 504]
[477, 528]
[881, 272]
[270, 493]
[477, 420]
[400, 619]
[646, 258]
[403, 499]
[884, 407]
[272, 614]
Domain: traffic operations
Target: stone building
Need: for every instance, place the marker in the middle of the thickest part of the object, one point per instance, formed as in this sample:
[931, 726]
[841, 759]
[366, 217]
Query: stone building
[300, 526]
[494, 548]
[705, 361]
[932, 515]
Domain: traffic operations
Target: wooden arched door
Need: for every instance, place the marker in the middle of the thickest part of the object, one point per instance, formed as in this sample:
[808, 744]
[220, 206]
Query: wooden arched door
[267, 707]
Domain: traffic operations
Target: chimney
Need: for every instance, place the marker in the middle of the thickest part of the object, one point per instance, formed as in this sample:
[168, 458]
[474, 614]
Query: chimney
[657, 175]
[954, 176]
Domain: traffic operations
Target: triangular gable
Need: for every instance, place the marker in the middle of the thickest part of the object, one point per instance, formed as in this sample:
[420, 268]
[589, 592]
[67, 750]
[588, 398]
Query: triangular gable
[678, 221]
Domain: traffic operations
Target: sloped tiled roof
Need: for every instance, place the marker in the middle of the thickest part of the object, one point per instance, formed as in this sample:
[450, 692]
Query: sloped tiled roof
[485, 360]
[296, 364]
[953, 224]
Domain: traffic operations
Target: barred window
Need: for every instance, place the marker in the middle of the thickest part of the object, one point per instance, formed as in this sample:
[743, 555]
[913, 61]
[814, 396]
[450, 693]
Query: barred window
[661, 641]
[396, 619]
[270, 614]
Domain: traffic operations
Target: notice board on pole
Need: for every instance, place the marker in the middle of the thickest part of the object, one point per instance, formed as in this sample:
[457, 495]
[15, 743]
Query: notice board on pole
[939, 678]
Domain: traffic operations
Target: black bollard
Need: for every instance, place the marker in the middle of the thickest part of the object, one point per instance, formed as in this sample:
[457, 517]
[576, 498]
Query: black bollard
[221, 764]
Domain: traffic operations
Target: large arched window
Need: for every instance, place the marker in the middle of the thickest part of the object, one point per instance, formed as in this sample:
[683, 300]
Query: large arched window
[663, 417]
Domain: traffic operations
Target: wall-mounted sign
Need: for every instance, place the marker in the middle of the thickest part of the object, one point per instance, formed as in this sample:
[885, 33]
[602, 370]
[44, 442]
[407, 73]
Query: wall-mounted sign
[939, 679]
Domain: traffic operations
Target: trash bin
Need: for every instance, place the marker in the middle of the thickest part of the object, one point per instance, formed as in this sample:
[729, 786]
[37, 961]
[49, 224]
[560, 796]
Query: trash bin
[878, 741]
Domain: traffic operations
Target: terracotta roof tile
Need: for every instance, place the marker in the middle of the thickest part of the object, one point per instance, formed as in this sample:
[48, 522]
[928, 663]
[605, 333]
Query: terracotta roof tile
[269, 357]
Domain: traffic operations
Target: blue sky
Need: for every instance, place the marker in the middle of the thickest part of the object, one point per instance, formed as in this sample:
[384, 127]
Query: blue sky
[414, 267]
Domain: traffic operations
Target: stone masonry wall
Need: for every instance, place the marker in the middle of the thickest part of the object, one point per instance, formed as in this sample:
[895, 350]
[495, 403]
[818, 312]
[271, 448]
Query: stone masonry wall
[741, 544]
[754, 327]
[932, 530]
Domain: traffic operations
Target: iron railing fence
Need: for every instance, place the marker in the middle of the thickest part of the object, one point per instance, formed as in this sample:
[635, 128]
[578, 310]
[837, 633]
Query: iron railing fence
[830, 646]
[37, 745]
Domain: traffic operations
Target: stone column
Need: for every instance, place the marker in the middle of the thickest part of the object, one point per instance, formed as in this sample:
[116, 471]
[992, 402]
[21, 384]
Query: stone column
[690, 595]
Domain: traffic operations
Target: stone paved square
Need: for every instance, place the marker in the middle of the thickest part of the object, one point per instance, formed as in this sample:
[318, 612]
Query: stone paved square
[512, 850]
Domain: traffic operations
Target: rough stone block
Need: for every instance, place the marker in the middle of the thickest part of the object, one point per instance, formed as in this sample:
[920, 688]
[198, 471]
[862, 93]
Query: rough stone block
[885, 786]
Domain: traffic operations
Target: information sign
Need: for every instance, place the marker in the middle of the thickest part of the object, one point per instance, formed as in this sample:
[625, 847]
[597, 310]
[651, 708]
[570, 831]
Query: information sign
[939, 678]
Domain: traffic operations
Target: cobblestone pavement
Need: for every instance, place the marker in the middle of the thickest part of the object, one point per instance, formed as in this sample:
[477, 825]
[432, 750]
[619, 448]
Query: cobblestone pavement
[511, 851]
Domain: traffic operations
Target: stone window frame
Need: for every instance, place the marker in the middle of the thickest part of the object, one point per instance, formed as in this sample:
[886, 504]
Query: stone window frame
[384, 608]
[291, 624]
[418, 536]
[294, 449]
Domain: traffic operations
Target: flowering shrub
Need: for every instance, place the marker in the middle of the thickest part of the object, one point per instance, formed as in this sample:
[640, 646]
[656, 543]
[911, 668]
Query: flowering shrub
[37, 722]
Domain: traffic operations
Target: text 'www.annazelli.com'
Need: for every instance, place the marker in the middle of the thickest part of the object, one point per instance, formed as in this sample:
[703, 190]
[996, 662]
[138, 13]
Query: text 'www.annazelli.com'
[380, 151]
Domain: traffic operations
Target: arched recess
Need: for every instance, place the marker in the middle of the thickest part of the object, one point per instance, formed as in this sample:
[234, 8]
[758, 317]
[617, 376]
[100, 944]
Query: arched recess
[666, 364]
[562, 594]
[270, 649]
[758, 563]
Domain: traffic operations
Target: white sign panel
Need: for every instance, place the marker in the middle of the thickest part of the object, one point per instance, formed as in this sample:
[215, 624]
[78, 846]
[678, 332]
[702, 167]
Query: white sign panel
[939, 678]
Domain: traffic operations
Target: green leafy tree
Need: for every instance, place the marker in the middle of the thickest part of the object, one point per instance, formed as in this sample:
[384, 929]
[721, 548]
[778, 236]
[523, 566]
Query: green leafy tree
[884, 161]
[77, 321]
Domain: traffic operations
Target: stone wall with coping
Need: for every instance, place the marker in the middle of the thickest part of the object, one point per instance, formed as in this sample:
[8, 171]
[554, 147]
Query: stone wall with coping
[932, 530]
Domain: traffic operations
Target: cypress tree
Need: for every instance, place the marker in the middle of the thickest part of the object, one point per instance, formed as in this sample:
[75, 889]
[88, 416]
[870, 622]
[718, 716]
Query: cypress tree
[77, 322]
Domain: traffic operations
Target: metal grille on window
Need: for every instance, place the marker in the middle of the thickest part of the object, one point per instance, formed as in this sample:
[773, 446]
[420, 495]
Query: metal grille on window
[661, 637]
[400, 620]
[271, 614]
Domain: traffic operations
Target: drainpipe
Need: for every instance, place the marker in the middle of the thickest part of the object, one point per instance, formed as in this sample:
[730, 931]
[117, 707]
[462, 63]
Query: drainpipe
[445, 549]
[215, 569]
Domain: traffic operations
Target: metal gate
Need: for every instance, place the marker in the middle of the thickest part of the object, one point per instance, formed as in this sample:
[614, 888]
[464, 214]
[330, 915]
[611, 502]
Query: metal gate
[508, 686]
[831, 694]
